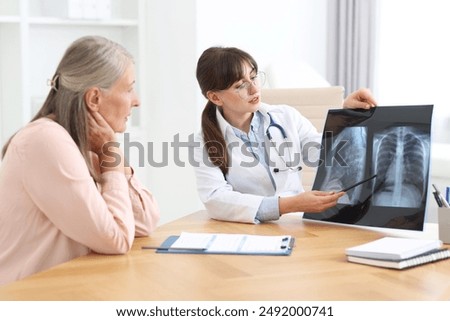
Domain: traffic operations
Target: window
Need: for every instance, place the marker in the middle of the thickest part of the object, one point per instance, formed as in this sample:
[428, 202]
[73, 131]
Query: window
[413, 61]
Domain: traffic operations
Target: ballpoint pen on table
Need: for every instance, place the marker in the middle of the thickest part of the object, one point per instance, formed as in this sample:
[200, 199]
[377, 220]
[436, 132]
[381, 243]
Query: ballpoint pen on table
[167, 248]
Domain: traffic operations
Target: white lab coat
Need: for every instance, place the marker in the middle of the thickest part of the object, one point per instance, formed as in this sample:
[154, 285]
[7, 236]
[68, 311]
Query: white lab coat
[237, 196]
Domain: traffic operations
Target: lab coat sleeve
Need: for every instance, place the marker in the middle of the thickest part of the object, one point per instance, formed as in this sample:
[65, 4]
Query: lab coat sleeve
[219, 198]
[269, 209]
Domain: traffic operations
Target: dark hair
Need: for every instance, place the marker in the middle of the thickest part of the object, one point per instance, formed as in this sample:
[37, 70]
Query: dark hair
[218, 68]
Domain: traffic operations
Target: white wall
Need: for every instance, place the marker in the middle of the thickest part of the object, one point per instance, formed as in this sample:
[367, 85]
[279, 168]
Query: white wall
[414, 65]
[270, 30]
[171, 101]
[178, 32]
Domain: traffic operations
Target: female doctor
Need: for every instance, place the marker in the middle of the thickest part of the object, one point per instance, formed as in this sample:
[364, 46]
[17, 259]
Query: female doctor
[247, 163]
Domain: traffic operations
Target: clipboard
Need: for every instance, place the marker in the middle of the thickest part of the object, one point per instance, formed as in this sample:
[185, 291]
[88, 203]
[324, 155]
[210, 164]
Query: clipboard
[241, 244]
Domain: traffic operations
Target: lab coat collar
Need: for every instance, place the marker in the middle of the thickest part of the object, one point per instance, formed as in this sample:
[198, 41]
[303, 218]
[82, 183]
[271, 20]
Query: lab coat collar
[227, 129]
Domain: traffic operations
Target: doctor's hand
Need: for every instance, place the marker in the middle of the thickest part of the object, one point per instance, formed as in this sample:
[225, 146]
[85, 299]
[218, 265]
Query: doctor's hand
[312, 202]
[361, 98]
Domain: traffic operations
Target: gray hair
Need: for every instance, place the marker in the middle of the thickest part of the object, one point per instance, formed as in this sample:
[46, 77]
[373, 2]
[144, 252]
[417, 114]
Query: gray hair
[90, 61]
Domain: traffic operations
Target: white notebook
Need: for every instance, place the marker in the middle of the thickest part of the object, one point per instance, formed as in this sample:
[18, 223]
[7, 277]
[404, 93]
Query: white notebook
[393, 248]
[428, 257]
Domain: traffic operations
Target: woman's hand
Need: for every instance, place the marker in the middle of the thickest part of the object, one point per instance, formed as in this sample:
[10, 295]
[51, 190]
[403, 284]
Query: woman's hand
[313, 201]
[100, 132]
[361, 98]
[103, 143]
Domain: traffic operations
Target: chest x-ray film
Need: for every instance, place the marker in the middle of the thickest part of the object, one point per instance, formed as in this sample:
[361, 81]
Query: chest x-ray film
[392, 143]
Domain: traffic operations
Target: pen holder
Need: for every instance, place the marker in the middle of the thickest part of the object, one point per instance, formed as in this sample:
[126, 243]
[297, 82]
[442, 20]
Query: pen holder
[444, 224]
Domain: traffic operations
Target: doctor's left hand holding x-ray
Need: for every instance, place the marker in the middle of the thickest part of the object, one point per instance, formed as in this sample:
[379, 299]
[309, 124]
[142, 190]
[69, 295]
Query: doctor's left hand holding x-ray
[247, 164]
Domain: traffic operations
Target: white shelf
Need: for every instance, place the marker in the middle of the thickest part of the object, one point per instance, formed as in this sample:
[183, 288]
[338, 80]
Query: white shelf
[84, 22]
[9, 19]
[36, 34]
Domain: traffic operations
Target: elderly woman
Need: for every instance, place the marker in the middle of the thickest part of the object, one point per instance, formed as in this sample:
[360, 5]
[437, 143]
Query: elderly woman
[62, 193]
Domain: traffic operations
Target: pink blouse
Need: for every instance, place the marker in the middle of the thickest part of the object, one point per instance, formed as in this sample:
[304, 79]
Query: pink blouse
[52, 211]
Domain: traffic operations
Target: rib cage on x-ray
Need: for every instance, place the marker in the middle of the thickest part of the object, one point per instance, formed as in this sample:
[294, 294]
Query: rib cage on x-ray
[400, 161]
[339, 176]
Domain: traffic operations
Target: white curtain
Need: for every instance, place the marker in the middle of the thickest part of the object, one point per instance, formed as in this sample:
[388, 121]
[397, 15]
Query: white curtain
[351, 43]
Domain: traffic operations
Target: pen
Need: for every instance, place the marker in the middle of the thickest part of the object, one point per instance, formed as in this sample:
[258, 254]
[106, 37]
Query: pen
[442, 201]
[437, 198]
[359, 183]
[165, 248]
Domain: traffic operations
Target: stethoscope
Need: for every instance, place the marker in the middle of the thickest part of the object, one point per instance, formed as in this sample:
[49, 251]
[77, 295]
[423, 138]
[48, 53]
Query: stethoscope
[283, 133]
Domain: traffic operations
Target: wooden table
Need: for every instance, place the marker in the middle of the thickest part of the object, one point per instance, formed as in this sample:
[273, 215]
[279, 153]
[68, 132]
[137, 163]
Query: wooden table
[316, 270]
